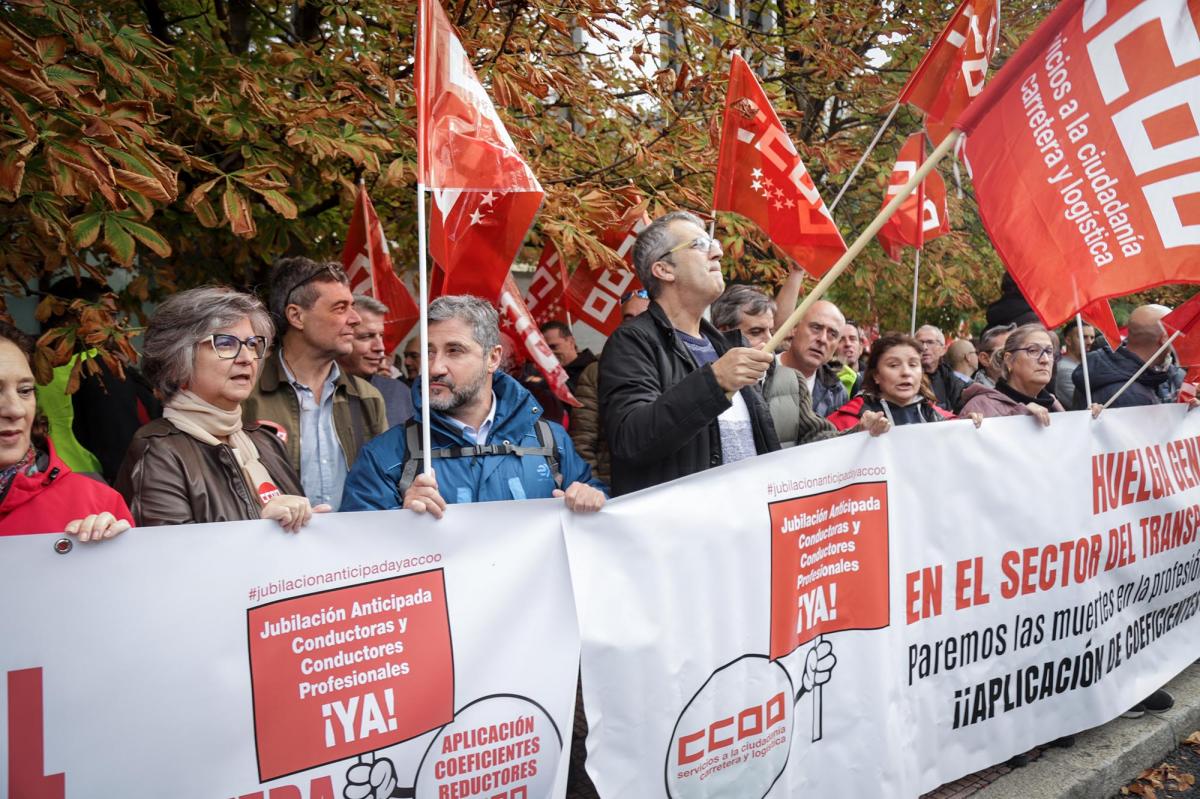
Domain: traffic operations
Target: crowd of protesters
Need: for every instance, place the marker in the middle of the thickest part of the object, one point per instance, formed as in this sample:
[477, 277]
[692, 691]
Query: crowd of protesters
[294, 408]
[243, 411]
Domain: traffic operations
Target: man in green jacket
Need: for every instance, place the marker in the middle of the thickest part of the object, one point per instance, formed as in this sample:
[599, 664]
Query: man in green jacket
[323, 415]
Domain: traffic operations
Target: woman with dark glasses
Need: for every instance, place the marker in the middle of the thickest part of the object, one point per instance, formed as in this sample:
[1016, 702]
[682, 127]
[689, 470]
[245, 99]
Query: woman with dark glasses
[1026, 369]
[200, 463]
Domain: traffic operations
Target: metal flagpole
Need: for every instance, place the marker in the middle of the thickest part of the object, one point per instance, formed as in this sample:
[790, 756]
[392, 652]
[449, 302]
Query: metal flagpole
[861, 161]
[862, 241]
[912, 325]
[1087, 383]
[422, 233]
[1145, 366]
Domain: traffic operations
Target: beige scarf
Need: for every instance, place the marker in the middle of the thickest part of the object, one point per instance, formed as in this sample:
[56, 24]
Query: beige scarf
[204, 422]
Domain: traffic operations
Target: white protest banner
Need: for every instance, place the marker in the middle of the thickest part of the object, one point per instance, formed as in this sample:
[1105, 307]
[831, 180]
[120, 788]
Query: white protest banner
[372, 654]
[878, 616]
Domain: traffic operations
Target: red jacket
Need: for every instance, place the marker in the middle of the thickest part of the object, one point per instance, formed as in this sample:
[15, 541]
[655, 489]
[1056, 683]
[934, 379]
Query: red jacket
[45, 501]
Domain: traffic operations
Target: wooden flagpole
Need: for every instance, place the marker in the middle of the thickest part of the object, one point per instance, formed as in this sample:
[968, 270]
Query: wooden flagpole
[862, 241]
[912, 325]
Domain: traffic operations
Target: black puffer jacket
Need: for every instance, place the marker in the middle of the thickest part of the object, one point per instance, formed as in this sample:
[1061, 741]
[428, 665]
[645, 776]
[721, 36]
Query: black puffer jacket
[1108, 370]
[660, 410]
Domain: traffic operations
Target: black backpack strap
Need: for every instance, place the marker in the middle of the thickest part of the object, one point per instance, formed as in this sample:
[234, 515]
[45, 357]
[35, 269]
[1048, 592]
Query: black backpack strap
[546, 438]
[414, 456]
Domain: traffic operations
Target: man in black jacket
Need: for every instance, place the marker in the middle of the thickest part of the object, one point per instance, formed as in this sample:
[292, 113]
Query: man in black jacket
[676, 396]
[946, 387]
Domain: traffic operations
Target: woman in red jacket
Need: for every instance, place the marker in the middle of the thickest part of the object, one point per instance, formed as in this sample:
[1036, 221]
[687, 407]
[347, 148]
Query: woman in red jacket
[895, 385]
[38, 493]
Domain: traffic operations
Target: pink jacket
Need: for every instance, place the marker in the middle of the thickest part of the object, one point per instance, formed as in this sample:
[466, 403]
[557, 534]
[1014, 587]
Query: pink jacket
[978, 398]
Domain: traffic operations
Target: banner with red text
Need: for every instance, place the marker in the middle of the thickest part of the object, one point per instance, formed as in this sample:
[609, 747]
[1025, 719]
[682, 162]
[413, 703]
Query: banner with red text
[1085, 153]
[879, 616]
[373, 654]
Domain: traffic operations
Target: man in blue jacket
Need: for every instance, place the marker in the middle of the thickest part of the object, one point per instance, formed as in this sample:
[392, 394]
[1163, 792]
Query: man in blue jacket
[487, 437]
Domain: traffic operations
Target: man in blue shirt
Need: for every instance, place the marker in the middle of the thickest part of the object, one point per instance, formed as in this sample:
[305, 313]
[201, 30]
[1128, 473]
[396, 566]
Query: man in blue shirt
[487, 438]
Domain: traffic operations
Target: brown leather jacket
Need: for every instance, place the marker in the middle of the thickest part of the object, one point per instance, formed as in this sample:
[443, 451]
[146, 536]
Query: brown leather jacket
[168, 477]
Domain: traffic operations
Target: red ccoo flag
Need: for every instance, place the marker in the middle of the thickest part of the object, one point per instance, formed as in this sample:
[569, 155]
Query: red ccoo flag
[484, 194]
[369, 267]
[923, 216]
[546, 299]
[1085, 153]
[953, 72]
[1183, 320]
[594, 295]
[516, 321]
[760, 176]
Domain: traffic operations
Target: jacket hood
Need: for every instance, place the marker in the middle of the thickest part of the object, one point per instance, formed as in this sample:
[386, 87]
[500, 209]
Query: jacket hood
[516, 410]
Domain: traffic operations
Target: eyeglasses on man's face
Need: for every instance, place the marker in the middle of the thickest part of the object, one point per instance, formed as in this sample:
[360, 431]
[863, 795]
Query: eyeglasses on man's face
[227, 346]
[704, 243]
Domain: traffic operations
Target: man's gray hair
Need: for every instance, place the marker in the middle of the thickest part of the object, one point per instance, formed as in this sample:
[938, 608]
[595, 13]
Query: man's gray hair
[738, 301]
[478, 313]
[932, 329]
[987, 341]
[652, 244]
[183, 321]
[369, 304]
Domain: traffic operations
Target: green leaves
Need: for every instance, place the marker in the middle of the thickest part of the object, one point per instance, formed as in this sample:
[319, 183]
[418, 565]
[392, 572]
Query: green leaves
[122, 233]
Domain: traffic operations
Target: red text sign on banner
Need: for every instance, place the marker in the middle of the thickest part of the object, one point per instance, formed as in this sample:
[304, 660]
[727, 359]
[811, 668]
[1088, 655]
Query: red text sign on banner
[1085, 153]
[342, 672]
[829, 564]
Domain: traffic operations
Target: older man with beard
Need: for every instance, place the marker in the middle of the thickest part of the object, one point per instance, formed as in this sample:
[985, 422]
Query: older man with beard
[473, 403]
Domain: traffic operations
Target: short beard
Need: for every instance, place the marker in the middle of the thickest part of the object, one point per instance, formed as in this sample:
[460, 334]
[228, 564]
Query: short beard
[459, 396]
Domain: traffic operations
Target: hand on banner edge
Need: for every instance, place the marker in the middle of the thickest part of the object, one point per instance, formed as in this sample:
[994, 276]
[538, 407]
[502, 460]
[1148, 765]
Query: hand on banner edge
[97, 527]
[423, 497]
[1039, 412]
[874, 422]
[1096, 409]
[977, 418]
[581, 498]
[291, 511]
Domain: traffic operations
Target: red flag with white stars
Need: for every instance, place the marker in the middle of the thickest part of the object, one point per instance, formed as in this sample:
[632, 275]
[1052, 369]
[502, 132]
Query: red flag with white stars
[760, 176]
[923, 216]
[484, 194]
[953, 72]
[369, 267]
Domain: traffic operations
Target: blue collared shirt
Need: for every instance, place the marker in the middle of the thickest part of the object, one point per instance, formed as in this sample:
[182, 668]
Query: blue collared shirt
[323, 466]
[479, 436]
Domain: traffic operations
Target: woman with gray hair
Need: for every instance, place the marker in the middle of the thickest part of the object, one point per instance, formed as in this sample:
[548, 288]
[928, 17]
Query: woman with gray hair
[200, 462]
[1026, 368]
